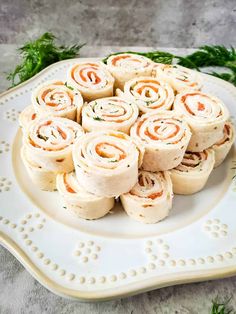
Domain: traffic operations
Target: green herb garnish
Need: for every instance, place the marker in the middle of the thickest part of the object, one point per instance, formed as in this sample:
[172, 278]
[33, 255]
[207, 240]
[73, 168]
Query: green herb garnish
[38, 54]
[219, 56]
[68, 86]
[219, 307]
[113, 160]
[43, 137]
[98, 119]
[53, 134]
[205, 56]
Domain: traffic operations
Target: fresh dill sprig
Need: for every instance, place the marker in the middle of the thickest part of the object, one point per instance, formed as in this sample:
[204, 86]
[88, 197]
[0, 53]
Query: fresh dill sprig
[43, 137]
[219, 307]
[207, 56]
[230, 77]
[98, 119]
[38, 54]
[68, 86]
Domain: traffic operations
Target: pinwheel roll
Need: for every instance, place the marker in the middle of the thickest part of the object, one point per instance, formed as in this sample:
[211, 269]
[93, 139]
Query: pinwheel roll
[111, 113]
[91, 79]
[84, 204]
[106, 162]
[150, 94]
[26, 117]
[126, 66]
[205, 114]
[180, 78]
[41, 177]
[58, 99]
[165, 138]
[49, 141]
[193, 172]
[222, 147]
[150, 200]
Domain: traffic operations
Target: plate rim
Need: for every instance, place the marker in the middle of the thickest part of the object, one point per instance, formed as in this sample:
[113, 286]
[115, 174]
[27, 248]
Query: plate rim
[113, 293]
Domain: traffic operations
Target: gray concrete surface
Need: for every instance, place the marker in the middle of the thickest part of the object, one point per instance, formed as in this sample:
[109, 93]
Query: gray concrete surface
[167, 23]
[21, 294]
[153, 23]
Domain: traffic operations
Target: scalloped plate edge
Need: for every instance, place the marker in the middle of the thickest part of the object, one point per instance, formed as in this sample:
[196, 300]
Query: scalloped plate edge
[105, 295]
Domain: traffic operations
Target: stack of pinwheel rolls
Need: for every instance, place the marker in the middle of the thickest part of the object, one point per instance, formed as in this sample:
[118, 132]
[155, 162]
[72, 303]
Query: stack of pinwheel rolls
[106, 162]
[150, 94]
[180, 78]
[84, 204]
[205, 114]
[150, 200]
[191, 175]
[126, 66]
[58, 99]
[110, 113]
[47, 148]
[165, 137]
[222, 147]
[52, 98]
[129, 129]
[92, 80]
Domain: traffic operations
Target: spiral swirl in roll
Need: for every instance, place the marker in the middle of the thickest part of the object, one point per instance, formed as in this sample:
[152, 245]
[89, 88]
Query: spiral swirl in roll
[91, 79]
[192, 174]
[165, 137]
[126, 66]
[222, 147]
[150, 200]
[180, 78]
[110, 113]
[26, 117]
[206, 116]
[84, 204]
[150, 94]
[106, 162]
[49, 141]
[59, 99]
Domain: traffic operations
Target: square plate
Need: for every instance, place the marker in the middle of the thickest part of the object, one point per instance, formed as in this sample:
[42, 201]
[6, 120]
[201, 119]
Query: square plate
[114, 256]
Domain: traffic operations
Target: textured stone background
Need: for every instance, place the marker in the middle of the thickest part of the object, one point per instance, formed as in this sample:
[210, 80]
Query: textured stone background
[166, 23]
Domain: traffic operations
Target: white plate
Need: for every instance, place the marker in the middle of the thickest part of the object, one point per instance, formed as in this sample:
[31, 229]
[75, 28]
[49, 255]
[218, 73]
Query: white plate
[114, 256]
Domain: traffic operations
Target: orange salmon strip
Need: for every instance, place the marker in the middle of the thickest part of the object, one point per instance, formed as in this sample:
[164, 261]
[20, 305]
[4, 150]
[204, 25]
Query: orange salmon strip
[45, 93]
[155, 195]
[201, 106]
[139, 125]
[52, 104]
[144, 86]
[153, 137]
[114, 61]
[68, 188]
[63, 134]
